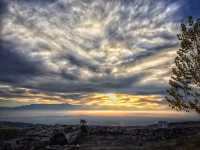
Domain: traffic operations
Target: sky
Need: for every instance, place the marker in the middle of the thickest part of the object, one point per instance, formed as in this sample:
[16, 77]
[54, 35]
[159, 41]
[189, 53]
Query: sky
[114, 54]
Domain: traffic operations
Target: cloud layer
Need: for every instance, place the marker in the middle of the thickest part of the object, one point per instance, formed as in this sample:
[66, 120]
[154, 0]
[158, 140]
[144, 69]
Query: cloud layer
[79, 47]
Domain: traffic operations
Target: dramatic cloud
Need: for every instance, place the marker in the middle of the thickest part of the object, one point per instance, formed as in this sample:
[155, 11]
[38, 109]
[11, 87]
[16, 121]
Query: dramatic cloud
[94, 101]
[79, 47]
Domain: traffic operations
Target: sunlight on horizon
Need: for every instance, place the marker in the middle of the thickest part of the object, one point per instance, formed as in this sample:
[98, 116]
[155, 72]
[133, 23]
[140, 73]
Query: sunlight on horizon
[118, 113]
[98, 113]
[102, 101]
[118, 101]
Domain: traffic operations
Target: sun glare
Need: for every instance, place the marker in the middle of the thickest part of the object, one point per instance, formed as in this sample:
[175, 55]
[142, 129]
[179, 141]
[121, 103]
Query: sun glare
[112, 97]
[118, 101]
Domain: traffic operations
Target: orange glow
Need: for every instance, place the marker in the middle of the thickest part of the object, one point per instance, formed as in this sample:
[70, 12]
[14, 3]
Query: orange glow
[99, 101]
[118, 101]
[112, 113]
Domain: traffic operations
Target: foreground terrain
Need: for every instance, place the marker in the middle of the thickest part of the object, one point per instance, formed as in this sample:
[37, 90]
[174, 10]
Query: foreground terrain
[173, 136]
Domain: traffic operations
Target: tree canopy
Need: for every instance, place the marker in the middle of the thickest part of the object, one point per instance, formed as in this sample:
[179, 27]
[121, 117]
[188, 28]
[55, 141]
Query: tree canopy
[184, 91]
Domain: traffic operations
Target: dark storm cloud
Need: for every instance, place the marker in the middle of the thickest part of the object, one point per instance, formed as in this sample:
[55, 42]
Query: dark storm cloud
[3, 10]
[16, 67]
[38, 2]
[152, 49]
[3, 7]
[69, 76]
[80, 62]
[74, 96]
[57, 46]
[11, 92]
[105, 85]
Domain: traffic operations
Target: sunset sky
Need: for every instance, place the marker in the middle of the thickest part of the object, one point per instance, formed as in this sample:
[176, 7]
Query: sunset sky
[114, 54]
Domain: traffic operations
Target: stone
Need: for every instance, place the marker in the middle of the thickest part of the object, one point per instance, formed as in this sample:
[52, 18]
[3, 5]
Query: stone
[73, 137]
[58, 139]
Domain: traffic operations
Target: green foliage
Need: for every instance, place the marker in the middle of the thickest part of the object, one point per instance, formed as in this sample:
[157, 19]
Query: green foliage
[184, 91]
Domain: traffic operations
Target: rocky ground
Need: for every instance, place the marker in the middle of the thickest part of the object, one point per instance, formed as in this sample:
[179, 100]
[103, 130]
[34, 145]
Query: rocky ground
[176, 136]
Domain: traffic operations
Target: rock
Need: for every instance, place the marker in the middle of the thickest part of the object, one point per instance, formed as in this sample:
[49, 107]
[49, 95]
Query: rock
[72, 147]
[7, 146]
[64, 147]
[73, 137]
[55, 147]
[58, 139]
[62, 138]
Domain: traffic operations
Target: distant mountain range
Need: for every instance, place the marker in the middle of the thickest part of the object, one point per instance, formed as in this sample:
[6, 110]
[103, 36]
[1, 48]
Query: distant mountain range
[64, 107]
[46, 107]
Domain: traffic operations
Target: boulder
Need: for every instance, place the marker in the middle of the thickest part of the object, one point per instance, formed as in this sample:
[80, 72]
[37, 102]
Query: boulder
[58, 138]
[62, 138]
[73, 137]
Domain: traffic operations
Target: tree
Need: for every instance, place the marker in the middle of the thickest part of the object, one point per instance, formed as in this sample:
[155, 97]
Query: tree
[184, 91]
